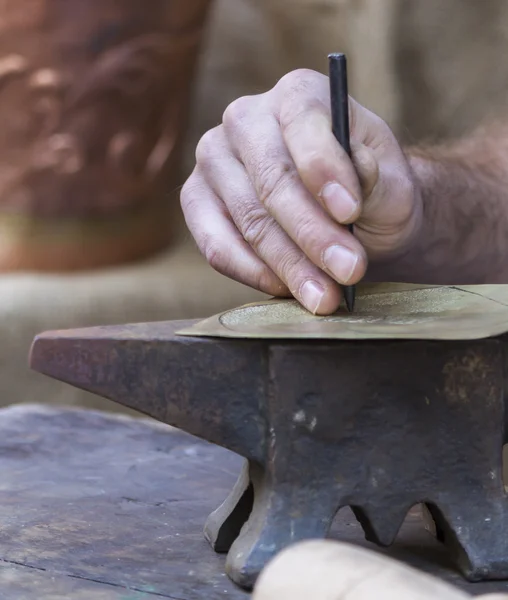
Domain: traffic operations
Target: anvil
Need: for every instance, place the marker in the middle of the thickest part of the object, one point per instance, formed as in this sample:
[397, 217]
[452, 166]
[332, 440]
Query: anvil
[377, 426]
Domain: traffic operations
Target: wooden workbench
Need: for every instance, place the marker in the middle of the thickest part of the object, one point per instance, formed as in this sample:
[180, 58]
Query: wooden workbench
[101, 507]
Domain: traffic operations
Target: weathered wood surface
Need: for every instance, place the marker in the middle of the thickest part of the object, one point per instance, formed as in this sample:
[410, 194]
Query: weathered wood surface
[100, 507]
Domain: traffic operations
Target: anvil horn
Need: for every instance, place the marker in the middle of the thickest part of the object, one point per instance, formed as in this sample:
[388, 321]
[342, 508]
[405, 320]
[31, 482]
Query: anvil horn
[148, 368]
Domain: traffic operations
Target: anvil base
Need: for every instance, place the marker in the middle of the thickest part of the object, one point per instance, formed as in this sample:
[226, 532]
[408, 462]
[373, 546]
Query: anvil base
[376, 426]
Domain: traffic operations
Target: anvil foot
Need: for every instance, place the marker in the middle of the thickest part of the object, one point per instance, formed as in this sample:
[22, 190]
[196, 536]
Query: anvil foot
[259, 519]
[224, 525]
[281, 515]
[378, 427]
[478, 544]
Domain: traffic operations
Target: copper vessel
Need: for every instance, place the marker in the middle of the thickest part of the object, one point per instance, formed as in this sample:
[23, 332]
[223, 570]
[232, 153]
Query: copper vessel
[94, 98]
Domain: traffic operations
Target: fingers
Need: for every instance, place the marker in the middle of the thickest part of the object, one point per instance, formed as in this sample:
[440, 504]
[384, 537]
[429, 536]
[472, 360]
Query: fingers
[273, 192]
[228, 179]
[323, 166]
[378, 173]
[220, 241]
[277, 184]
[302, 105]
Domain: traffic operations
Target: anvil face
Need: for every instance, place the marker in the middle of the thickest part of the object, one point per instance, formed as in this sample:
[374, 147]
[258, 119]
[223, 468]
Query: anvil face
[378, 426]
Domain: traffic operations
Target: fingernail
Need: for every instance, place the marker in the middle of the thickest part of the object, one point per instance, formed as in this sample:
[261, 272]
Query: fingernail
[339, 201]
[341, 262]
[312, 294]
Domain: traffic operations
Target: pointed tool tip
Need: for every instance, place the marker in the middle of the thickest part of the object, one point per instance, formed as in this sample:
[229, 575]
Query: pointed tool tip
[349, 297]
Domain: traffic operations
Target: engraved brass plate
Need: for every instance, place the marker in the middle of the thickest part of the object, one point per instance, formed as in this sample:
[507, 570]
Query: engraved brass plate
[382, 311]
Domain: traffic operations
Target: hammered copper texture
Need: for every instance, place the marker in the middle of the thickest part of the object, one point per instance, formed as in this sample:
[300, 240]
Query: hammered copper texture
[93, 103]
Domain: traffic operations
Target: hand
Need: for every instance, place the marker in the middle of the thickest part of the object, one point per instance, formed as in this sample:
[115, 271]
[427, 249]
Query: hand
[323, 569]
[272, 191]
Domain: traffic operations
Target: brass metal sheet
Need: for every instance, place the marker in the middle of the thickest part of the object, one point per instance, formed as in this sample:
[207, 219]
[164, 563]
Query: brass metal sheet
[382, 311]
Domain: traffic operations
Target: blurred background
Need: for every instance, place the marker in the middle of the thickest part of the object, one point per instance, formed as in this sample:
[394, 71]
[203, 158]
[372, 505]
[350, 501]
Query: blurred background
[101, 106]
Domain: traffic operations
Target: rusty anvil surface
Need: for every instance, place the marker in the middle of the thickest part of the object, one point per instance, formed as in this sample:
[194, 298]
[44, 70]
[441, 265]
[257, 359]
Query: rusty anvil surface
[377, 426]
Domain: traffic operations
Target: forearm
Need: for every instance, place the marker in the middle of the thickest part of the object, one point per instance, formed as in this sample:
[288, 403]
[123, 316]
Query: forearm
[462, 236]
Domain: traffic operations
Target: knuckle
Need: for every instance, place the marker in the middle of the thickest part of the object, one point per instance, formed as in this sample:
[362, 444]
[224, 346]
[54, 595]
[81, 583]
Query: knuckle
[238, 111]
[300, 80]
[305, 235]
[255, 227]
[293, 266]
[312, 162]
[215, 252]
[294, 116]
[207, 145]
[272, 177]
[188, 195]
[302, 96]
[266, 281]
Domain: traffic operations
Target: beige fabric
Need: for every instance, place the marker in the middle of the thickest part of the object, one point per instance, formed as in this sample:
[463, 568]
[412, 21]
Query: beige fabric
[252, 43]
[176, 285]
[433, 69]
